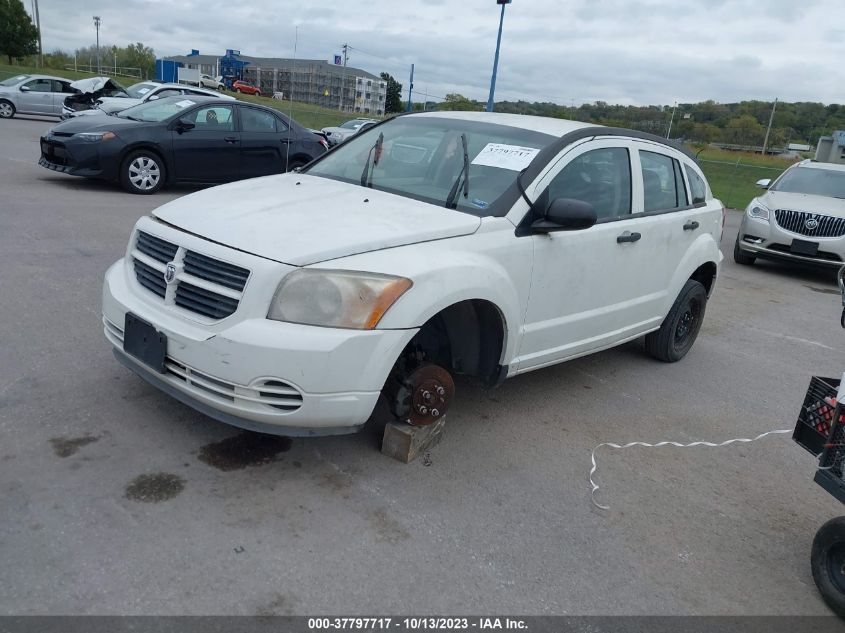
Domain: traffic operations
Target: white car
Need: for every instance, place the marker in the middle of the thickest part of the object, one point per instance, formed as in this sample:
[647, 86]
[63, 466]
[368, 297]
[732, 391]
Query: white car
[91, 100]
[800, 218]
[213, 83]
[436, 244]
[340, 133]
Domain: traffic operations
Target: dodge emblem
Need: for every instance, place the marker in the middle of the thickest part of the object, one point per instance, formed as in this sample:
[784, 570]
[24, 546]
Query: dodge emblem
[170, 273]
[811, 224]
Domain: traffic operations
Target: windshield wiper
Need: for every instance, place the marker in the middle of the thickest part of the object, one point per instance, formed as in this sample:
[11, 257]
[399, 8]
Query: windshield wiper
[367, 174]
[452, 199]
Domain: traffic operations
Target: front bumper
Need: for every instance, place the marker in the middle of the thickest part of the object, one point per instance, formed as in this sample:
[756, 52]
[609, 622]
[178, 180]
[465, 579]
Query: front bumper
[250, 372]
[765, 238]
[78, 158]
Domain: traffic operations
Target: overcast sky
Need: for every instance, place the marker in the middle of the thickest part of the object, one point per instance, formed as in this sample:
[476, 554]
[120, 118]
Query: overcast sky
[638, 52]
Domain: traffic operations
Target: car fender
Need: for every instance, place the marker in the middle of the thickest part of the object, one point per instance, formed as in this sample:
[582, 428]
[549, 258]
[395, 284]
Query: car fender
[703, 250]
[444, 273]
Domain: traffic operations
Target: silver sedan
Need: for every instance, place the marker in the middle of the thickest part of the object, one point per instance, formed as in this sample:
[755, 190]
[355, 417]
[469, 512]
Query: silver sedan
[33, 94]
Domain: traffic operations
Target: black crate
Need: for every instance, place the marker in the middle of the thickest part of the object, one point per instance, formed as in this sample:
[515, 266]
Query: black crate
[817, 415]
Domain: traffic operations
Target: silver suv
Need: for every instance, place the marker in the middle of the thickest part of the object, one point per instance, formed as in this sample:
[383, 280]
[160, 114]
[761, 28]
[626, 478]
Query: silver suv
[800, 218]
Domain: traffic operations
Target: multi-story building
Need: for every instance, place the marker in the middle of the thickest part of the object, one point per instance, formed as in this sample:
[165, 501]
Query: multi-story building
[306, 80]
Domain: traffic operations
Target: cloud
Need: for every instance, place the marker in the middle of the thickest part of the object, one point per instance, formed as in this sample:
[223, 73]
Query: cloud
[619, 51]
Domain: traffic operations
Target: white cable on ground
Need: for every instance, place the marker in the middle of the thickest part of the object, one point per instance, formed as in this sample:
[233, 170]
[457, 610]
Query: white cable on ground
[659, 444]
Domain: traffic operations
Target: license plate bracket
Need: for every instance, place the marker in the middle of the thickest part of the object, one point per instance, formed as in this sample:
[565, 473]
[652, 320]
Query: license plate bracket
[803, 247]
[141, 340]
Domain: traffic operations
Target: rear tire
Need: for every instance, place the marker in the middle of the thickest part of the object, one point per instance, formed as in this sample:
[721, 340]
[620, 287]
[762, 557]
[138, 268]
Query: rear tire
[681, 326]
[238, 90]
[741, 257]
[7, 109]
[142, 172]
[827, 560]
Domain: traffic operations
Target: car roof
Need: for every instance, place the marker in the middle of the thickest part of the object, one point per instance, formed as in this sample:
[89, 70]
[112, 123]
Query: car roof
[544, 125]
[30, 77]
[812, 164]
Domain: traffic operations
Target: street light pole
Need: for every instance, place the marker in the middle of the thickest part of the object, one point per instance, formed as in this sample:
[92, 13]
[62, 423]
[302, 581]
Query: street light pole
[97, 26]
[496, 58]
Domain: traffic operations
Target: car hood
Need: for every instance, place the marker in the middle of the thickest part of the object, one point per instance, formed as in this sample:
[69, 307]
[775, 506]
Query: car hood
[823, 205]
[91, 85]
[329, 130]
[299, 219]
[102, 123]
[116, 104]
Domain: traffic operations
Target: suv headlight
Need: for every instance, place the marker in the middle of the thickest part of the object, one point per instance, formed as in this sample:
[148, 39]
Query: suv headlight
[757, 210]
[336, 298]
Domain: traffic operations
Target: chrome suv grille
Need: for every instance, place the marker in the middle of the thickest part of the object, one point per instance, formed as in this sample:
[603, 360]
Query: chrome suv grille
[796, 222]
[206, 285]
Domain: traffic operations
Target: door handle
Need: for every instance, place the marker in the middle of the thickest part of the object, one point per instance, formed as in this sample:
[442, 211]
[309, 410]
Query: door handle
[284, 141]
[691, 225]
[231, 139]
[627, 236]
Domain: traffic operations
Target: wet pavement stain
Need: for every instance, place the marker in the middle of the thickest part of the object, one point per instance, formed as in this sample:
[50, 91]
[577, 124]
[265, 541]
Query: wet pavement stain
[244, 449]
[67, 446]
[154, 487]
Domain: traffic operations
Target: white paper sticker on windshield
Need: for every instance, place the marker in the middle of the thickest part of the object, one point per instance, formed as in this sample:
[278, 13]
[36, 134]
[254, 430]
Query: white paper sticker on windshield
[143, 91]
[511, 157]
[185, 103]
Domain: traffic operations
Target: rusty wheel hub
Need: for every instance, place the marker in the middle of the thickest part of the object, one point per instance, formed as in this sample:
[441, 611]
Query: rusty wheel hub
[431, 392]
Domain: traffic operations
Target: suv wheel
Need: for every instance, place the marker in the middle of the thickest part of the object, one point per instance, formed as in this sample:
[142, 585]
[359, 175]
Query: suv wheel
[142, 173]
[7, 110]
[680, 327]
[740, 256]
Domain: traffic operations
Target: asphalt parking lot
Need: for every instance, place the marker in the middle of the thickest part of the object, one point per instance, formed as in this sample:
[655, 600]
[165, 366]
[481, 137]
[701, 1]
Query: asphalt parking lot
[497, 520]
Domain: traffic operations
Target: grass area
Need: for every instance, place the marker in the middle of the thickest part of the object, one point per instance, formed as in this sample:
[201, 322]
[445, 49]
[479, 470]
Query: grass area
[732, 175]
[306, 114]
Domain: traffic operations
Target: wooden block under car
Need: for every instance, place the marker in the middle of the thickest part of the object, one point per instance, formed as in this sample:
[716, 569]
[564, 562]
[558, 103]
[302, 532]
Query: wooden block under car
[405, 442]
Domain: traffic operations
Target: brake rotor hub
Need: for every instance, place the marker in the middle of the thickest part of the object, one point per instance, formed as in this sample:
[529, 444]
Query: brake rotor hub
[429, 391]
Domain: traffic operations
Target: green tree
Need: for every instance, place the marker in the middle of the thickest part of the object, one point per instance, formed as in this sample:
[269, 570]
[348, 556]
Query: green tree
[459, 102]
[18, 35]
[393, 100]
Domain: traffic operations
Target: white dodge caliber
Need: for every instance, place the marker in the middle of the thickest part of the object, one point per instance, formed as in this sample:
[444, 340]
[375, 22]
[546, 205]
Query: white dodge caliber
[432, 245]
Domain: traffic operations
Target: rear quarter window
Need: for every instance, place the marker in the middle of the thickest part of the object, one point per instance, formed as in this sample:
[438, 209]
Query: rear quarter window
[697, 186]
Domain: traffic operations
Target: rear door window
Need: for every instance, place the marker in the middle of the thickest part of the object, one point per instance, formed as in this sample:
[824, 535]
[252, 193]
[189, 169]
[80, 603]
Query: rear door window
[663, 184]
[254, 120]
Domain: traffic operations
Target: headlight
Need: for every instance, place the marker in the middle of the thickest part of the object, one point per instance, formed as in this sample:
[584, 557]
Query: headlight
[94, 137]
[336, 298]
[757, 210]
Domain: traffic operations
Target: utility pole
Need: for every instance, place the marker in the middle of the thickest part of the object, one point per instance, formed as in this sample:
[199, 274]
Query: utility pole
[38, 26]
[671, 120]
[97, 26]
[343, 76]
[411, 89]
[496, 58]
[769, 129]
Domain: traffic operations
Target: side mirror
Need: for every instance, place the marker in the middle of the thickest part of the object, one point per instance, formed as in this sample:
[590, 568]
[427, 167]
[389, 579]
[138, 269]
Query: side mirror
[764, 183]
[153, 98]
[25, 89]
[566, 214]
[183, 125]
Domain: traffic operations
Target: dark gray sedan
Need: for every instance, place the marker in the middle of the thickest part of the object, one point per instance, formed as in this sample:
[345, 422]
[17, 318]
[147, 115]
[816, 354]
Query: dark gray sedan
[179, 139]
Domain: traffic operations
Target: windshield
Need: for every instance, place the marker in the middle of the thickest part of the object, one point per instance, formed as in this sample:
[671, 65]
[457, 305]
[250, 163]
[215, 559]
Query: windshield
[810, 180]
[14, 81]
[352, 125]
[422, 158]
[137, 91]
[155, 111]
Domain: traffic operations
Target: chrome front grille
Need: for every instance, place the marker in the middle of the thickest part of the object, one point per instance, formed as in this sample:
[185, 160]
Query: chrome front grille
[796, 222]
[202, 284]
